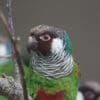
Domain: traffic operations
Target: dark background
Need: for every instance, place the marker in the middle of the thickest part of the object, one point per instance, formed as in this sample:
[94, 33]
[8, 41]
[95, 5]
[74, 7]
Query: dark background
[81, 18]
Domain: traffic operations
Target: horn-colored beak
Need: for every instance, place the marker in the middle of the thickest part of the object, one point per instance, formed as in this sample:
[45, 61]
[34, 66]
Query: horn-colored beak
[32, 44]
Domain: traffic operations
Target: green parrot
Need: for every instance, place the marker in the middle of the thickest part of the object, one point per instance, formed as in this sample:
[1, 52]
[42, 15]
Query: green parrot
[54, 73]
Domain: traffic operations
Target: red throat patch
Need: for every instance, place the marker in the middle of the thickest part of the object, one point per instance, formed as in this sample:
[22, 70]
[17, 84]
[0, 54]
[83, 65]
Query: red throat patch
[42, 95]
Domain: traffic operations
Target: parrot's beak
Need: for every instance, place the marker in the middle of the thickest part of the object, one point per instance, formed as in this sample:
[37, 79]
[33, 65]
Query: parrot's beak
[32, 44]
[29, 48]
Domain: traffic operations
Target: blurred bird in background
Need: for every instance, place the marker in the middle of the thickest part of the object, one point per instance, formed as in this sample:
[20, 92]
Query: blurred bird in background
[89, 90]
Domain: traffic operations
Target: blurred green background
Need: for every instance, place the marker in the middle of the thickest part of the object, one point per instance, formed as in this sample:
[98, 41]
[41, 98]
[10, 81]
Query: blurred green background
[3, 98]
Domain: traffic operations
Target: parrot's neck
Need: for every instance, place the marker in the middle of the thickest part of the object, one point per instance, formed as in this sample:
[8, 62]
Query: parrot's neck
[53, 66]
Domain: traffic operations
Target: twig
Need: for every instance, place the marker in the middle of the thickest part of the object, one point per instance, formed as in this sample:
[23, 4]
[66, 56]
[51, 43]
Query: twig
[12, 29]
[17, 55]
[10, 16]
[11, 89]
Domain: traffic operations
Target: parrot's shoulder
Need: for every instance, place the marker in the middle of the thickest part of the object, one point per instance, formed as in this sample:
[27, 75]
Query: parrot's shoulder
[76, 69]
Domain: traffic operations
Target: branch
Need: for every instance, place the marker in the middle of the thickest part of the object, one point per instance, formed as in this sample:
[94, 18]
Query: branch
[12, 29]
[17, 55]
[11, 89]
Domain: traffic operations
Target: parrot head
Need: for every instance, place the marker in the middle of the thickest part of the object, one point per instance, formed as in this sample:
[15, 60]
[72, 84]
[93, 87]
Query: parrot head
[52, 51]
[46, 39]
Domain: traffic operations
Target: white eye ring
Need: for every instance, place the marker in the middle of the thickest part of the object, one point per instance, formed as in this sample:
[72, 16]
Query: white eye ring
[45, 37]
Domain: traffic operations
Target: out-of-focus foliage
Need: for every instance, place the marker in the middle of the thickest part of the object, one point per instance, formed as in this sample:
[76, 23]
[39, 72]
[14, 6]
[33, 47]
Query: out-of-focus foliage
[3, 98]
[6, 68]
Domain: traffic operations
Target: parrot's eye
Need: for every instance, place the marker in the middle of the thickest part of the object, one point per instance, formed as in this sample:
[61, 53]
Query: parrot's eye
[45, 37]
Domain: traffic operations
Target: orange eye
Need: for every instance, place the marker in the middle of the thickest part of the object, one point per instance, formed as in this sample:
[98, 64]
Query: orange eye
[45, 37]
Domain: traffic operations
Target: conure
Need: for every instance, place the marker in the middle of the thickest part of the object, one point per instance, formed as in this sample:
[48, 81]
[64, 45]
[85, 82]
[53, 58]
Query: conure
[54, 73]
